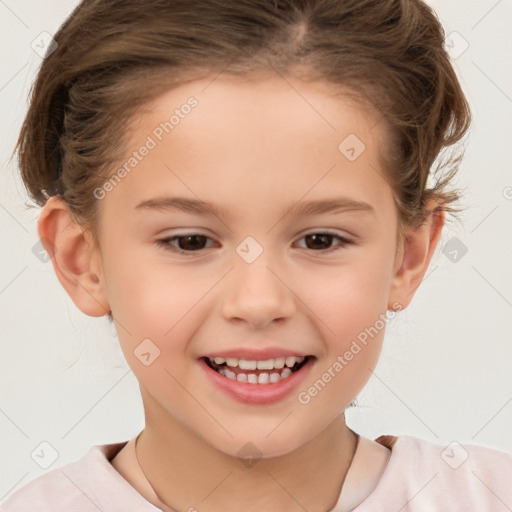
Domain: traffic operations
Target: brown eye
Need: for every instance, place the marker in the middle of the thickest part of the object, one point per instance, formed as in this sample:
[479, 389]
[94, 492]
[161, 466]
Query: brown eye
[324, 242]
[191, 242]
[319, 241]
[185, 243]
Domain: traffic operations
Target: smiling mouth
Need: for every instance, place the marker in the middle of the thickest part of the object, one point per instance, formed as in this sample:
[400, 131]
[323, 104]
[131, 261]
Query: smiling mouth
[257, 372]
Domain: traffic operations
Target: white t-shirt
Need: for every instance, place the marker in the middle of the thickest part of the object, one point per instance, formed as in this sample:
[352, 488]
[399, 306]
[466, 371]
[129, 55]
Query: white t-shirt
[420, 476]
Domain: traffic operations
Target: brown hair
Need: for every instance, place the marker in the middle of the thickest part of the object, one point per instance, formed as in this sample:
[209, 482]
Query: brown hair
[115, 56]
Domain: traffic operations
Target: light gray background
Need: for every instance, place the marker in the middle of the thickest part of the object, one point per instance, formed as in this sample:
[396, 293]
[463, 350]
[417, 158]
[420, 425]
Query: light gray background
[444, 373]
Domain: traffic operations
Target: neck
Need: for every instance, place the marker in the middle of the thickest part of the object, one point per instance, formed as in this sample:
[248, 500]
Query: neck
[188, 473]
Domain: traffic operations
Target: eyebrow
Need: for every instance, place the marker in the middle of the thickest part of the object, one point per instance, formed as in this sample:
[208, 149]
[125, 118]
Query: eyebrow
[301, 208]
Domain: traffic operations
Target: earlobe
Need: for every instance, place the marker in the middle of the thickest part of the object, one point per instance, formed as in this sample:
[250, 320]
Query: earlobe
[73, 256]
[418, 246]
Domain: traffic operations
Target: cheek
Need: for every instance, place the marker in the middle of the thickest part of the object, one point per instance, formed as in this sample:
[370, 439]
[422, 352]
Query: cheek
[160, 301]
[349, 298]
[157, 308]
[350, 307]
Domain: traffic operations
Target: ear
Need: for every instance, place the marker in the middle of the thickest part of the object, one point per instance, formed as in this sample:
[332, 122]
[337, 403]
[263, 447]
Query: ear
[414, 253]
[75, 258]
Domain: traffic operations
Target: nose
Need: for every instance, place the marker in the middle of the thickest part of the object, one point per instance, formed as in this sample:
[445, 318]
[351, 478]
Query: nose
[257, 294]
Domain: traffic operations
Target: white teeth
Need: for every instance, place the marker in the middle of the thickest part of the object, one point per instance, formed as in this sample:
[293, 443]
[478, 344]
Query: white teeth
[275, 377]
[286, 373]
[282, 364]
[279, 362]
[263, 378]
[231, 361]
[267, 364]
[230, 375]
[247, 365]
[252, 378]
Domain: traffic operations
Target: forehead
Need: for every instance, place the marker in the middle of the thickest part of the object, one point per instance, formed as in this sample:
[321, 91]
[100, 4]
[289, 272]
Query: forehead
[273, 138]
[275, 104]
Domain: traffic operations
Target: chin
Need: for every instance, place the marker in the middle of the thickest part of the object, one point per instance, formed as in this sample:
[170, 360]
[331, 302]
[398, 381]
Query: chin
[246, 446]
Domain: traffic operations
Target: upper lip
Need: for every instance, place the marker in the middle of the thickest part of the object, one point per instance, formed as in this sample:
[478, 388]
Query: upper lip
[251, 354]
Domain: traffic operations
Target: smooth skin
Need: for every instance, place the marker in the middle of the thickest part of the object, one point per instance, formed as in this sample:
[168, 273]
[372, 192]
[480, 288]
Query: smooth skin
[255, 149]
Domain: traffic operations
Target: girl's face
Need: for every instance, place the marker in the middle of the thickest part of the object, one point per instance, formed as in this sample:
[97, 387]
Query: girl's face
[251, 222]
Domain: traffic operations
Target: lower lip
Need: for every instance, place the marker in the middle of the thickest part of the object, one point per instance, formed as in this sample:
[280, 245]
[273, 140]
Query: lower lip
[257, 393]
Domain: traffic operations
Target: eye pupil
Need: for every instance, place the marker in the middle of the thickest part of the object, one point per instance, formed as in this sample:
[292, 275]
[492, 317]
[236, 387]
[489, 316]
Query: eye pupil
[192, 242]
[197, 242]
[319, 238]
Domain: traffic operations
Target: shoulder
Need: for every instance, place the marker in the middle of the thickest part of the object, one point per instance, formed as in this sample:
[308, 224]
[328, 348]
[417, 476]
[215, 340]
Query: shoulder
[424, 475]
[86, 485]
[454, 461]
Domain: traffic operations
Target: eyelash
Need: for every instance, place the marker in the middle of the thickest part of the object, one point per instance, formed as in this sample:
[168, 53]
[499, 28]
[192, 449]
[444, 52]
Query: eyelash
[165, 243]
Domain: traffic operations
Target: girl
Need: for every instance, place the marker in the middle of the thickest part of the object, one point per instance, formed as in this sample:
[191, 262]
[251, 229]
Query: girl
[243, 188]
